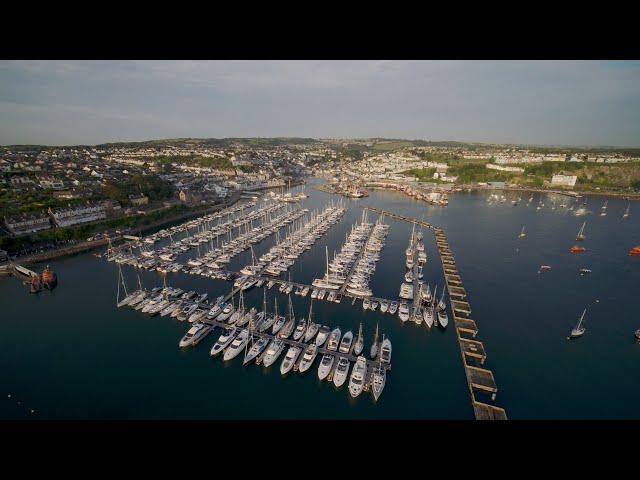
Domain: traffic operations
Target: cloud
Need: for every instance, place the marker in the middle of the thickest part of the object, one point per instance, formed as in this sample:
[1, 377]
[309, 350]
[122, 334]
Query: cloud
[548, 102]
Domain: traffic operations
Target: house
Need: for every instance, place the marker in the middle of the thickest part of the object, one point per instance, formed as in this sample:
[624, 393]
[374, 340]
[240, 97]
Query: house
[66, 217]
[139, 199]
[564, 180]
[28, 223]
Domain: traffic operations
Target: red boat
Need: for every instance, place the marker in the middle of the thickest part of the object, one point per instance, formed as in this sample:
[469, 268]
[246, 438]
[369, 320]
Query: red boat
[577, 249]
[635, 252]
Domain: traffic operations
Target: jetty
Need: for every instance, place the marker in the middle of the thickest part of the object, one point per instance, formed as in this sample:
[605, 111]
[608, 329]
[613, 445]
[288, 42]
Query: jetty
[480, 380]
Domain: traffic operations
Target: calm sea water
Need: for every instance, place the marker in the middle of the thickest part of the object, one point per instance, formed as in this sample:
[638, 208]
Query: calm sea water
[72, 354]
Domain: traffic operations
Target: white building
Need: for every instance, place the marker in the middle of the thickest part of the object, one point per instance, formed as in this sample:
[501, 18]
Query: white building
[564, 180]
[491, 166]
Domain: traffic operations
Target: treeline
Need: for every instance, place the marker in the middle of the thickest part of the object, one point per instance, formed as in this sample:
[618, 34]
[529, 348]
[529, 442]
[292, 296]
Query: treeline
[150, 185]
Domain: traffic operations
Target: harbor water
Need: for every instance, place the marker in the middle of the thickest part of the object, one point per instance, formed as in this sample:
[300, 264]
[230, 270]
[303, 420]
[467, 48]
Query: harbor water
[72, 354]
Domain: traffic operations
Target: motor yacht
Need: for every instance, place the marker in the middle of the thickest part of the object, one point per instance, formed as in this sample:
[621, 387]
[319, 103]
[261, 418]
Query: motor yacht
[358, 376]
[273, 352]
[290, 359]
[309, 356]
[223, 341]
[403, 312]
[341, 372]
[385, 351]
[384, 306]
[227, 311]
[347, 341]
[334, 339]
[196, 333]
[325, 366]
[237, 346]
[393, 307]
[378, 382]
[323, 334]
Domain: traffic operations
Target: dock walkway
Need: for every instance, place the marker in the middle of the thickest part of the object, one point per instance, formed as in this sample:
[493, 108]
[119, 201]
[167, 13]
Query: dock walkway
[472, 351]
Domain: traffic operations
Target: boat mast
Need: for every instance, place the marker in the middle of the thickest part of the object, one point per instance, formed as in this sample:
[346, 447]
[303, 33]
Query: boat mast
[581, 319]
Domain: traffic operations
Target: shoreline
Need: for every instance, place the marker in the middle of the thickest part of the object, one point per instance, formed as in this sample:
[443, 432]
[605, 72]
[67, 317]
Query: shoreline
[91, 245]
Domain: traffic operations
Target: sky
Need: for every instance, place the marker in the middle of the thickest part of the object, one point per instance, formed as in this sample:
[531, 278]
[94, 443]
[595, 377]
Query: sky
[521, 102]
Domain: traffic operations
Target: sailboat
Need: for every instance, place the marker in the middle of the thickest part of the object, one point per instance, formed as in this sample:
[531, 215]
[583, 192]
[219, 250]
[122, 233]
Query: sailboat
[626, 212]
[580, 236]
[522, 234]
[359, 345]
[374, 347]
[603, 213]
[312, 327]
[579, 329]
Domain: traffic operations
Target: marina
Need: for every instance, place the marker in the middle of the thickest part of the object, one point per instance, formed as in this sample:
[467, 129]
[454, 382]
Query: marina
[433, 355]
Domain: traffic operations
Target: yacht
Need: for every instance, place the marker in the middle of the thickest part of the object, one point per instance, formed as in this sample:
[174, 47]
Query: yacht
[323, 334]
[290, 359]
[341, 373]
[406, 291]
[359, 345]
[378, 382]
[404, 312]
[256, 349]
[325, 366]
[227, 311]
[443, 319]
[393, 307]
[311, 332]
[347, 341]
[373, 353]
[310, 354]
[215, 311]
[273, 352]
[366, 304]
[196, 333]
[358, 376]
[197, 316]
[427, 315]
[267, 323]
[223, 341]
[384, 306]
[385, 351]
[278, 323]
[300, 329]
[579, 329]
[237, 346]
[287, 329]
[334, 339]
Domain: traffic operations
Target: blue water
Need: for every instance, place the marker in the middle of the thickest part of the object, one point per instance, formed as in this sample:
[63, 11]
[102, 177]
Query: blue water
[72, 354]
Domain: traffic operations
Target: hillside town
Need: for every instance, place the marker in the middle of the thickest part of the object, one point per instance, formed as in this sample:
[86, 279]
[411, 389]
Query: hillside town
[55, 189]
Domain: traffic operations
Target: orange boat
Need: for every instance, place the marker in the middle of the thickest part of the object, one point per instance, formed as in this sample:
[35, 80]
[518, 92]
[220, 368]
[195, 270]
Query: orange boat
[635, 252]
[577, 249]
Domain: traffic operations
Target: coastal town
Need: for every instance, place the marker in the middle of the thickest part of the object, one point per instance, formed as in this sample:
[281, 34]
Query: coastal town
[60, 195]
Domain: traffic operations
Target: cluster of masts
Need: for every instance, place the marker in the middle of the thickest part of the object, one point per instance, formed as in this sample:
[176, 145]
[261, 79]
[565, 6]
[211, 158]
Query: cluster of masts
[352, 267]
[301, 237]
[263, 336]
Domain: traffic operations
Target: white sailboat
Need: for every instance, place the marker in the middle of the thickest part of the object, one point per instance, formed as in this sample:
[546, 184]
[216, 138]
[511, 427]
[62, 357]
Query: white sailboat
[359, 345]
[522, 234]
[579, 329]
[580, 235]
[626, 212]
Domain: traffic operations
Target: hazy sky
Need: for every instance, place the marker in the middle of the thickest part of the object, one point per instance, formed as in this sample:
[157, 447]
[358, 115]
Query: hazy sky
[89, 102]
